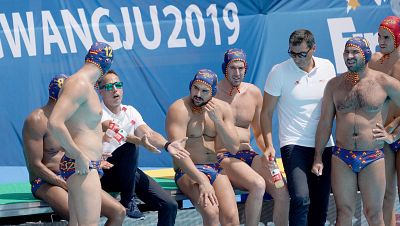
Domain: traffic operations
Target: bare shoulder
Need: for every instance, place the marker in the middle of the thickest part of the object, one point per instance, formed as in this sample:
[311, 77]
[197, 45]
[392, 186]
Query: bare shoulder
[375, 57]
[221, 104]
[253, 89]
[396, 70]
[178, 109]
[36, 121]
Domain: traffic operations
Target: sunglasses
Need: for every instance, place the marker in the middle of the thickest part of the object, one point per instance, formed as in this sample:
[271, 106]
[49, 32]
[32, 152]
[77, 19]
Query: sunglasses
[299, 55]
[110, 86]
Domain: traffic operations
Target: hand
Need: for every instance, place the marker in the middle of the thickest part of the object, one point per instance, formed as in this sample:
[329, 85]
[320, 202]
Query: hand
[105, 155]
[269, 152]
[82, 165]
[381, 134]
[317, 166]
[212, 111]
[62, 183]
[265, 161]
[176, 149]
[105, 165]
[207, 194]
[146, 144]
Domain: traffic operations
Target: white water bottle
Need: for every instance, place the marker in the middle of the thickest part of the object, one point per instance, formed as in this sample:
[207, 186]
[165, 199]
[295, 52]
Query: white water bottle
[276, 173]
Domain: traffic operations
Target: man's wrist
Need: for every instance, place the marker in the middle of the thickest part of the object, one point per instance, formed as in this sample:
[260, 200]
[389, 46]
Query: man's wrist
[166, 146]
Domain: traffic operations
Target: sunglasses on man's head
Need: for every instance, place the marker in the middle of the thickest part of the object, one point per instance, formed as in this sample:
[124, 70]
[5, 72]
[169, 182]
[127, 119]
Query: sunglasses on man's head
[299, 55]
[110, 86]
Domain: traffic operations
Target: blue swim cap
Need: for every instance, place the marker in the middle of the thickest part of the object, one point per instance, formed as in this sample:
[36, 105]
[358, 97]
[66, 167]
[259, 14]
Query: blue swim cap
[207, 77]
[233, 55]
[101, 55]
[363, 45]
[55, 85]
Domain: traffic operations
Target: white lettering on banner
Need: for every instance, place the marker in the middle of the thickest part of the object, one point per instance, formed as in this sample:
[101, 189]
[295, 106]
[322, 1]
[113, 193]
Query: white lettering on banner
[339, 26]
[19, 29]
[79, 27]
[48, 39]
[156, 28]
[71, 24]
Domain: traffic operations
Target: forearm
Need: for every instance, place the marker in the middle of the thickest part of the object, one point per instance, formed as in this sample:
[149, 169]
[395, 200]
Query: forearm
[134, 140]
[321, 138]
[266, 128]
[228, 135]
[46, 174]
[61, 133]
[157, 140]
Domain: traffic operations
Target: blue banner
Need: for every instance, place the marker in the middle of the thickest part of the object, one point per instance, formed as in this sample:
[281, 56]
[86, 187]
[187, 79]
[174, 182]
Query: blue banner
[158, 47]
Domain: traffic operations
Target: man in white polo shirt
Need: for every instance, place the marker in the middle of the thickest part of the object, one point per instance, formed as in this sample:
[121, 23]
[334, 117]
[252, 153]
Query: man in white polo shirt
[296, 87]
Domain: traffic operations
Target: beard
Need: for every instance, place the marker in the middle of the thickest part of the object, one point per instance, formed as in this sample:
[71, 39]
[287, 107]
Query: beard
[201, 104]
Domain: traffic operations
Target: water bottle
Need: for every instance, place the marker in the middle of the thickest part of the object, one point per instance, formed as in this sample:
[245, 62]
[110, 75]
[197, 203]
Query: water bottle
[276, 173]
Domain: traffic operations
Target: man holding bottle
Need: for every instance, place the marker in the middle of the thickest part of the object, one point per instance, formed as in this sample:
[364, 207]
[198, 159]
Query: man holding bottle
[246, 169]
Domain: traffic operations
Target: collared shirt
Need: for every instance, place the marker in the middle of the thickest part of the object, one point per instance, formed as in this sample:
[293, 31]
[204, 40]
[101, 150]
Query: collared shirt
[300, 96]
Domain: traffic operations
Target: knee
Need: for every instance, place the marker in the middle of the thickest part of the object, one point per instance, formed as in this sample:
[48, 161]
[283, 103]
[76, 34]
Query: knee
[211, 214]
[119, 213]
[281, 197]
[257, 186]
[230, 217]
[374, 215]
[299, 201]
[345, 211]
[170, 206]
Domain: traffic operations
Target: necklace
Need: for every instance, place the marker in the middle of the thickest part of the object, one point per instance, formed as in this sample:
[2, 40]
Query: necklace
[384, 58]
[353, 77]
[196, 109]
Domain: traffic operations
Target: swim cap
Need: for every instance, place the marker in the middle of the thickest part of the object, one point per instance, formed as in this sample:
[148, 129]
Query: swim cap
[55, 85]
[206, 77]
[363, 45]
[101, 55]
[392, 25]
[233, 55]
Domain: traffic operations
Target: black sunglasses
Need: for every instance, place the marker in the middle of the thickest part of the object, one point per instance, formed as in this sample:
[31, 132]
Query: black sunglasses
[299, 55]
[109, 86]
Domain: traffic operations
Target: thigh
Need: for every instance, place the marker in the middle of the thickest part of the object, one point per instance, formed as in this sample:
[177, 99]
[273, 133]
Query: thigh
[372, 183]
[150, 192]
[56, 197]
[109, 205]
[240, 174]
[85, 196]
[390, 167]
[344, 183]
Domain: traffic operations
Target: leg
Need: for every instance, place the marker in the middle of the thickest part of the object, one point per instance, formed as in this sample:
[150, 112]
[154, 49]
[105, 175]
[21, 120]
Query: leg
[228, 212]
[390, 192]
[112, 209]
[372, 188]
[84, 196]
[244, 177]
[151, 193]
[209, 213]
[56, 197]
[121, 177]
[280, 195]
[344, 186]
[296, 165]
[320, 189]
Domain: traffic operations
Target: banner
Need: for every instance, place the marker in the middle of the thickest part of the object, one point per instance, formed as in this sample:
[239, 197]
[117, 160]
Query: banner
[158, 47]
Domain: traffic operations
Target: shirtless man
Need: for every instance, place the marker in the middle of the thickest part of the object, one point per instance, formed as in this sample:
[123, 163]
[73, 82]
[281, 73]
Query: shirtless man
[75, 124]
[246, 169]
[359, 99]
[208, 124]
[387, 61]
[43, 154]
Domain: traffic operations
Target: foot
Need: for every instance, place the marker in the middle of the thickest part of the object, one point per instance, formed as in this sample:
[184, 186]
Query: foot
[133, 211]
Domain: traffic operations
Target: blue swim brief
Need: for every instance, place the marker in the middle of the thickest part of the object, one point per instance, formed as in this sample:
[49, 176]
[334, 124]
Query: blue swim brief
[395, 146]
[358, 160]
[37, 183]
[210, 170]
[246, 156]
[67, 167]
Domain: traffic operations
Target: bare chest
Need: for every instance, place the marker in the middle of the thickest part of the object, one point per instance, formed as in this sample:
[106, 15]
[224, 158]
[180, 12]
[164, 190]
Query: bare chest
[200, 125]
[89, 112]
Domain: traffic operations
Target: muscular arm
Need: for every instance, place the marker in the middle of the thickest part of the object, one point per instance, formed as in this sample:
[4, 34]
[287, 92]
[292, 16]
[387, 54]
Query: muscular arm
[154, 137]
[392, 84]
[267, 111]
[69, 101]
[33, 133]
[222, 116]
[324, 128]
[255, 123]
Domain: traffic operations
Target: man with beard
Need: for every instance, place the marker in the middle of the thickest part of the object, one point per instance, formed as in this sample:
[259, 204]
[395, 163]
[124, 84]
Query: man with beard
[208, 124]
[358, 99]
[296, 87]
[246, 169]
[124, 176]
[387, 61]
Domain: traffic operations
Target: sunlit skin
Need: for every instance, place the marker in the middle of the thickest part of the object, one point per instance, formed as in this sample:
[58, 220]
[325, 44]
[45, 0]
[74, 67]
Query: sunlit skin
[354, 59]
[306, 63]
[200, 94]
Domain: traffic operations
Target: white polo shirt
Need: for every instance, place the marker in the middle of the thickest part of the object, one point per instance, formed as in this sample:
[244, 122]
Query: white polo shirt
[300, 96]
[128, 114]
